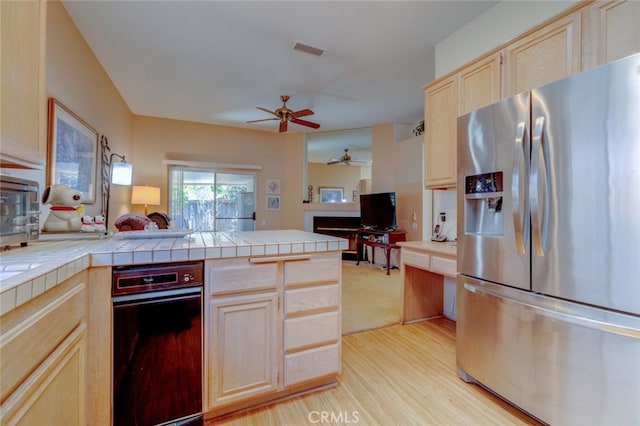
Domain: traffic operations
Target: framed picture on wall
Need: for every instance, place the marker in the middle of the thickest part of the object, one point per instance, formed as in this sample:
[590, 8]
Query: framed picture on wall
[273, 186]
[331, 195]
[72, 151]
[273, 202]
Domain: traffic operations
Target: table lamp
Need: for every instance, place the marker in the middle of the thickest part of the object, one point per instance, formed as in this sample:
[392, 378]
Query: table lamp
[147, 195]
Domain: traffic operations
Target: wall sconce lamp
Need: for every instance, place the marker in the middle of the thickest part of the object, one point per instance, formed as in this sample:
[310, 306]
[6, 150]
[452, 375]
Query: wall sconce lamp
[119, 174]
[147, 195]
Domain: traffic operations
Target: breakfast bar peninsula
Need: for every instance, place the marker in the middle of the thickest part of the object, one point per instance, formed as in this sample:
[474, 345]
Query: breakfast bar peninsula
[271, 309]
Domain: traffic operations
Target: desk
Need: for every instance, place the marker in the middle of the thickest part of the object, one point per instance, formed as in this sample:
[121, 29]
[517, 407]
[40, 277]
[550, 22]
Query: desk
[424, 264]
[384, 239]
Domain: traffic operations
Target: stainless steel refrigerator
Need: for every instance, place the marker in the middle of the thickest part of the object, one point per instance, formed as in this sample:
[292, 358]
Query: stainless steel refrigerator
[548, 291]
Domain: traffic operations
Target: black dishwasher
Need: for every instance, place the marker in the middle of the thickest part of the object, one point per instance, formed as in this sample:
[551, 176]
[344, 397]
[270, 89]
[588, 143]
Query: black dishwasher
[157, 344]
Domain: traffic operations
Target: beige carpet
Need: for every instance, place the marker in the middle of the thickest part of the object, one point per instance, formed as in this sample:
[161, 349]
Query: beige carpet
[370, 298]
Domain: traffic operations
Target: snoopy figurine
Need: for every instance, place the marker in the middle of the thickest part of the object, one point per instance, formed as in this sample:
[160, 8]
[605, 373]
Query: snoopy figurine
[88, 224]
[66, 209]
[98, 224]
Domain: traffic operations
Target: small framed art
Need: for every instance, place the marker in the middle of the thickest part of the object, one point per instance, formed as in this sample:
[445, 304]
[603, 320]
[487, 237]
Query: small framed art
[331, 195]
[273, 202]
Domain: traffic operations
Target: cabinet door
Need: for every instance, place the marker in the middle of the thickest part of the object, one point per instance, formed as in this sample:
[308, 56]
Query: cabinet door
[243, 362]
[44, 361]
[612, 31]
[441, 111]
[23, 112]
[479, 84]
[545, 55]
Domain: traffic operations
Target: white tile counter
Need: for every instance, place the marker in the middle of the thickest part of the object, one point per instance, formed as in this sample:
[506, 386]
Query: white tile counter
[447, 249]
[26, 272]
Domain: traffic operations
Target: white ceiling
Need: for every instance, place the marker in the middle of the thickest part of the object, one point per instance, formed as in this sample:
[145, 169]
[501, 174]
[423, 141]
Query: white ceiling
[216, 61]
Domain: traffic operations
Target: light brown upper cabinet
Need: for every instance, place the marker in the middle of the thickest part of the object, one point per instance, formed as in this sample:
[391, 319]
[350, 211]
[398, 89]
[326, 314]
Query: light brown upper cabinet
[479, 84]
[610, 31]
[542, 56]
[473, 87]
[440, 114]
[585, 35]
[22, 52]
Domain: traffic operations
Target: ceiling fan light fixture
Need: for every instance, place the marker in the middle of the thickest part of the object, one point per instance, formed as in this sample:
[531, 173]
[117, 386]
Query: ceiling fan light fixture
[286, 115]
[301, 47]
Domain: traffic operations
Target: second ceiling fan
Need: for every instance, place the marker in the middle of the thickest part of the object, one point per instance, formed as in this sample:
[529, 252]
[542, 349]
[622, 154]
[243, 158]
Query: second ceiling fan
[286, 115]
[346, 159]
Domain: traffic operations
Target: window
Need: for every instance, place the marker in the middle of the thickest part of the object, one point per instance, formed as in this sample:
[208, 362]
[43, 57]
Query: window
[209, 200]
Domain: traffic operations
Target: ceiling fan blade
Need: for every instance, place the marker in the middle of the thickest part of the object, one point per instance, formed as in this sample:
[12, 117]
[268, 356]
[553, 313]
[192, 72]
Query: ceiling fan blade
[301, 113]
[263, 119]
[266, 110]
[334, 162]
[283, 126]
[305, 123]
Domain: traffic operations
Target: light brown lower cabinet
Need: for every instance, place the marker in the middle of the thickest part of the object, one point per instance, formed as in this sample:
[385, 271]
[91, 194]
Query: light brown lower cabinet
[272, 328]
[43, 346]
[243, 347]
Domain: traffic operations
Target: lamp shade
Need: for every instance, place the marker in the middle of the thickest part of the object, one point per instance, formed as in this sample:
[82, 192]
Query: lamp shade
[121, 173]
[147, 195]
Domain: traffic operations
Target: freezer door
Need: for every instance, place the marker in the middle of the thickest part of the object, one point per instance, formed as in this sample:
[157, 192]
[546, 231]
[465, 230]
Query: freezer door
[493, 220]
[585, 187]
[564, 363]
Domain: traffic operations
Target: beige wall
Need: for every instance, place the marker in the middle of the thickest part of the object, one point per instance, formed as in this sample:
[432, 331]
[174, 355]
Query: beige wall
[382, 170]
[397, 166]
[333, 176]
[280, 156]
[293, 193]
[75, 78]
[407, 180]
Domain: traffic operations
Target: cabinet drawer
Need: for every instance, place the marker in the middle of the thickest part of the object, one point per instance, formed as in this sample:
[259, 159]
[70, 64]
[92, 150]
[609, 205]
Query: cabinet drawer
[311, 364]
[443, 266]
[309, 299]
[311, 330]
[320, 268]
[419, 260]
[238, 276]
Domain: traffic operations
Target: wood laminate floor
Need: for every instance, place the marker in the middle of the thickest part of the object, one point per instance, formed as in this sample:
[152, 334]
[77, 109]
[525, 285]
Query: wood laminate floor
[396, 375]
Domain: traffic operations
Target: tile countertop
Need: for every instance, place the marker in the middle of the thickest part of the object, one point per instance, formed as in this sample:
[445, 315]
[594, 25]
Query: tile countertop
[446, 248]
[26, 272]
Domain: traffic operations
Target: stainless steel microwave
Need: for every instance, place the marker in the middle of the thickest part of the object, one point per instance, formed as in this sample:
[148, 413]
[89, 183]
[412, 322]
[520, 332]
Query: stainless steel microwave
[19, 211]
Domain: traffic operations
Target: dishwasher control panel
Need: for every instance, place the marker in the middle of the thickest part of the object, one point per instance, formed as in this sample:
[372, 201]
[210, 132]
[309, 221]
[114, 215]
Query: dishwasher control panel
[150, 277]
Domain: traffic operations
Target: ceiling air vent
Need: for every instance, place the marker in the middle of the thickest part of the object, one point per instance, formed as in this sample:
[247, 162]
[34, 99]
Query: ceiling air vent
[308, 49]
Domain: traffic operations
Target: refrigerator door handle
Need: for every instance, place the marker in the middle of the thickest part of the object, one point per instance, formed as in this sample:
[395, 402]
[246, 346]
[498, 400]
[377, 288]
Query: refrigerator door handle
[609, 327]
[539, 214]
[519, 212]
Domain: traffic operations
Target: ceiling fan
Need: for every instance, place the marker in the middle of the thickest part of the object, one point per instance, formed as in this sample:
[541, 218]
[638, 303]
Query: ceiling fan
[286, 115]
[346, 159]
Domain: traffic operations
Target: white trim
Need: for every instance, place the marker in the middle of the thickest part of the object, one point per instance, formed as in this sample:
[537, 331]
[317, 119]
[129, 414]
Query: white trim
[209, 165]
